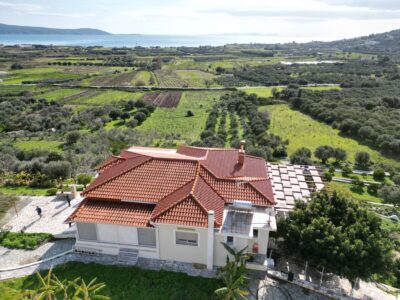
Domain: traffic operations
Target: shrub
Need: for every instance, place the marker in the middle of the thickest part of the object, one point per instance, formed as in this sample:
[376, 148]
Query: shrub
[301, 156]
[379, 174]
[396, 179]
[140, 117]
[328, 176]
[51, 192]
[84, 179]
[72, 137]
[363, 159]
[346, 171]
[373, 188]
[189, 113]
[132, 123]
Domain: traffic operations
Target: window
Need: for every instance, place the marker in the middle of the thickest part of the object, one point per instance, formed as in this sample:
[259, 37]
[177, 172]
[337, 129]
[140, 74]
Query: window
[255, 233]
[229, 240]
[87, 231]
[186, 238]
[147, 237]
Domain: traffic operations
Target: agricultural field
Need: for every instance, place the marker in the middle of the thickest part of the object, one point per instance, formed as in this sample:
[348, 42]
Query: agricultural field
[173, 121]
[197, 78]
[93, 98]
[303, 131]
[166, 99]
[261, 91]
[322, 87]
[142, 78]
[37, 74]
[169, 78]
[58, 94]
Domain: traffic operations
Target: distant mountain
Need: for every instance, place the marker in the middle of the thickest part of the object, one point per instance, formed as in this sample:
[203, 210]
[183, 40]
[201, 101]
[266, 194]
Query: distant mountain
[15, 29]
[377, 42]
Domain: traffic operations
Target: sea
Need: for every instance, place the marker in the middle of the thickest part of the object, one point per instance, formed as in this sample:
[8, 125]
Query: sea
[133, 40]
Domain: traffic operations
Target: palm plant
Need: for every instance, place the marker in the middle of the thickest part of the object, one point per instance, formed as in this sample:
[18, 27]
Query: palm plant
[52, 288]
[233, 275]
[91, 291]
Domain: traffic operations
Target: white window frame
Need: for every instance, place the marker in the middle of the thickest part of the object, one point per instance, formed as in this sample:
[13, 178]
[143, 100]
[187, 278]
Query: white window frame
[187, 244]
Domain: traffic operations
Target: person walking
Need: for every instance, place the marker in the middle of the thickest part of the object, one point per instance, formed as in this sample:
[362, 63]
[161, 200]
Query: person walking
[69, 201]
[39, 211]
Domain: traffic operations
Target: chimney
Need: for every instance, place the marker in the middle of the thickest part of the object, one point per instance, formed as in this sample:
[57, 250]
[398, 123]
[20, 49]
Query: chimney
[241, 152]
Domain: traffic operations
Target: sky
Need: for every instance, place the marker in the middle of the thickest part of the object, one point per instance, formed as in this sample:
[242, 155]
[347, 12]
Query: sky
[293, 19]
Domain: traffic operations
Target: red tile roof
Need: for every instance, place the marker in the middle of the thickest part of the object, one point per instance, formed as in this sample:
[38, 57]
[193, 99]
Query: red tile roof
[181, 186]
[147, 180]
[119, 213]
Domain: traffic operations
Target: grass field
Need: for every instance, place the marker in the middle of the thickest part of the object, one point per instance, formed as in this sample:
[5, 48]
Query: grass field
[25, 144]
[322, 87]
[174, 120]
[107, 97]
[59, 94]
[261, 91]
[303, 131]
[123, 282]
[142, 76]
[196, 78]
[345, 189]
[37, 74]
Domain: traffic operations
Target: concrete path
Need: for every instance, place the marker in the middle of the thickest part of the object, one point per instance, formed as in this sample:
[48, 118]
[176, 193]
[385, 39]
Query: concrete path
[15, 257]
[55, 211]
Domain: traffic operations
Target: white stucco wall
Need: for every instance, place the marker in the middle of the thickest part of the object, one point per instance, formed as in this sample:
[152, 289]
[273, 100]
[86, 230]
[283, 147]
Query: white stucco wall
[169, 250]
[110, 238]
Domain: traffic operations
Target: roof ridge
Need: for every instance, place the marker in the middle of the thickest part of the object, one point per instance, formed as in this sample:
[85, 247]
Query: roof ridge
[272, 202]
[205, 209]
[229, 179]
[211, 187]
[119, 173]
[196, 177]
[174, 203]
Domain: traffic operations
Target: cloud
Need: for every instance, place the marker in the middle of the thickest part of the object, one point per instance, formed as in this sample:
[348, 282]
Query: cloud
[20, 7]
[313, 15]
[372, 4]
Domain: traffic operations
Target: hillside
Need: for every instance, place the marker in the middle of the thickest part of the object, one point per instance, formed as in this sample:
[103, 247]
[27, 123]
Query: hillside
[15, 29]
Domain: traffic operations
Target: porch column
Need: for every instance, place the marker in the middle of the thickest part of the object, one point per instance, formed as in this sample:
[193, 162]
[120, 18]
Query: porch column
[210, 240]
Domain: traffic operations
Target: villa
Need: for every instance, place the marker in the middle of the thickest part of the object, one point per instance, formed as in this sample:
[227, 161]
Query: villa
[177, 204]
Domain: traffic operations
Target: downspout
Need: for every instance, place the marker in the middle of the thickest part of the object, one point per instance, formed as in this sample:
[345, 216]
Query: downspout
[210, 240]
[158, 248]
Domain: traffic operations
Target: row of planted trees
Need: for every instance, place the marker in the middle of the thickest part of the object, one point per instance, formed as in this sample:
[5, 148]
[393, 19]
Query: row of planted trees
[245, 122]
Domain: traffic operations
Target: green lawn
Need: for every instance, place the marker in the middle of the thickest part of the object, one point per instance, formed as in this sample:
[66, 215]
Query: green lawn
[27, 241]
[174, 120]
[345, 189]
[303, 131]
[23, 190]
[123, 282]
